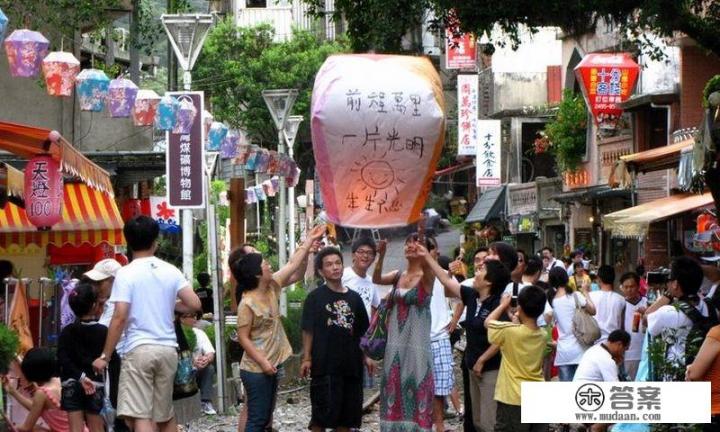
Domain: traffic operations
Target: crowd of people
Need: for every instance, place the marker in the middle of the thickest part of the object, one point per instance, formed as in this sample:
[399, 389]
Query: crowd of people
[518, 312]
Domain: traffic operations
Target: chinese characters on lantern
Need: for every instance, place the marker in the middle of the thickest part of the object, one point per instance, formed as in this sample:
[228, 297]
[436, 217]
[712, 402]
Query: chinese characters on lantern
[43, 191]
[488, 153]
[377, 133]
[185, 157]
[467, 114]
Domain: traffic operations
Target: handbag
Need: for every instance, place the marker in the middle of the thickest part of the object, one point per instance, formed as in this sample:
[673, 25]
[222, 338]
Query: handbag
[585, 327]
[108, 413]
[374, 341]
[185, 382]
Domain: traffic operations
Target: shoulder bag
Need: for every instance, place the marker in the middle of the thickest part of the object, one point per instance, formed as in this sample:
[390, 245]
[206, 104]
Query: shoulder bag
[374, 341]
[185, 383]
[585, 327]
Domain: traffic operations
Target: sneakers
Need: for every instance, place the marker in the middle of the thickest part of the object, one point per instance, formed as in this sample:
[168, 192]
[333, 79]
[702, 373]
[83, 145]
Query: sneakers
[207, 408]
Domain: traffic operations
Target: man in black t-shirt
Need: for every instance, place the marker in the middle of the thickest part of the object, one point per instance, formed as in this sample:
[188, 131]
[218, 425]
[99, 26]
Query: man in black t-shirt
[334, 319]
[205, 293]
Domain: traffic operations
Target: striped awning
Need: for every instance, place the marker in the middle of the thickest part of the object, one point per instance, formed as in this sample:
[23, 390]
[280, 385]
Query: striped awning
[89, 217]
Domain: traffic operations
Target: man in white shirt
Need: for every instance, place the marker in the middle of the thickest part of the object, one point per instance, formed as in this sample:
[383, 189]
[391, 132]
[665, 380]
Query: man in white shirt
[635, 305]
[146, 294]
[609, 305]
[671, 322]
[531, 274]
[575, 257]
[356, 278]
[552, 262]
[600, 362]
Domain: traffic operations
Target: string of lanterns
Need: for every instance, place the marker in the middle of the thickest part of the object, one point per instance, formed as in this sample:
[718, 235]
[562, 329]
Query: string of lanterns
[27, 54]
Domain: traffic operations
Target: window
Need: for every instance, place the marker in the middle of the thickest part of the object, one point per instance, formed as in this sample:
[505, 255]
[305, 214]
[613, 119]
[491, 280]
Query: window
[534, 164]
[256, 3]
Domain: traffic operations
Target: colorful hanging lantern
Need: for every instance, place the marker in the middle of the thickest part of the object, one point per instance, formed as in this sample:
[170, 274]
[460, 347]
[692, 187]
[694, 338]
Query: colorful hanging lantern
[230, 145]
[43, 191]
[185, 115]
[145, 107]
[25, 51]
[268, 188]
[166, 116]
[275, 182]
[3, 25]
[261, 164]
[216, 135]
[252, 158]
[207, 122]
[607, 79]
[121, 97]
[92, 89]
[60, 70]
[250, 196]
[274, 163]
[259, 193]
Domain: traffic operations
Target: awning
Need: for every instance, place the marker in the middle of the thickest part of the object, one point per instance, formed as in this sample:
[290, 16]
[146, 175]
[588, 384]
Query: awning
[489, 206]
[590, 193]
[660, 158]
[89, 217]
[634, 221]
[27, 141]
[639, 101]
[11, 184]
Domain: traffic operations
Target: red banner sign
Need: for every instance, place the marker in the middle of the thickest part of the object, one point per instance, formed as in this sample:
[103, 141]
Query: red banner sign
[461, 50]
[607, 80]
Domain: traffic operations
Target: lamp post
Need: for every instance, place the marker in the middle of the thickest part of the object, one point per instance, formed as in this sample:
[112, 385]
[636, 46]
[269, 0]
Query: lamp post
[279, 103]
[292, 125]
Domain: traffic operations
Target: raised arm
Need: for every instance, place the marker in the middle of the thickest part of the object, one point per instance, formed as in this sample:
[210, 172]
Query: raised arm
[289, 273]
[709, 350]
[452, 286]
[378, 277]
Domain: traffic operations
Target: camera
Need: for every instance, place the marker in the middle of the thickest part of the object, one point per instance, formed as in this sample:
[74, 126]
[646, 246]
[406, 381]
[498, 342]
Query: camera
[514, 301]
[657, 277]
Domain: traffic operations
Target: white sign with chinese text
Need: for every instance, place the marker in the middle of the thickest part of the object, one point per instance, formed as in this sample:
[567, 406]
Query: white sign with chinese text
[489, 154]
[468, 137]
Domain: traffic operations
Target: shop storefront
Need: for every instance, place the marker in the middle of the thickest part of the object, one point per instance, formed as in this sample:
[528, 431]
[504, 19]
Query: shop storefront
[522, 216]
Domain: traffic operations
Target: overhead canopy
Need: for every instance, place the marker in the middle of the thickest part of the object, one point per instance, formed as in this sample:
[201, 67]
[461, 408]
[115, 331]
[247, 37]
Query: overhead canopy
[659, 158]
[635, 221]
[11, 184]
[89, 217]
[489, 206]
[27, 141]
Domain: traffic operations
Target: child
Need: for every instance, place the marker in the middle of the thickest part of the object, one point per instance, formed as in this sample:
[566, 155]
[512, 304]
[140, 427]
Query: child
[522, 347]
[80, 343]
[38, 366]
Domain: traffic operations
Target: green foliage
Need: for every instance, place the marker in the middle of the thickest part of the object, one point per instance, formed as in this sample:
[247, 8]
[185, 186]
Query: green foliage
[377, 25]
[8, 347]
[292, 322]
[698, 19]
[713, 85]
[189, 336]
[568, 132]
[236, 64]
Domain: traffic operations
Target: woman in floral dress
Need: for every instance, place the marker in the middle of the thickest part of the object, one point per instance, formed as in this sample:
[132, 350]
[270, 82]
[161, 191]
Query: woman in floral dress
[407, 386]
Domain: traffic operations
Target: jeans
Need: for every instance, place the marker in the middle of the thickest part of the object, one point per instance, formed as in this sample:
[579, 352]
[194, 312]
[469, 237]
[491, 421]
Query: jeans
[566, 372]
[260, 390]
[205, 380]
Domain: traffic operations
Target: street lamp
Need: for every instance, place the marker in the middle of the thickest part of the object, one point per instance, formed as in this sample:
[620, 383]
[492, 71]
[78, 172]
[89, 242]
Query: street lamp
[292, 125]
[279, 103]
[187, 33]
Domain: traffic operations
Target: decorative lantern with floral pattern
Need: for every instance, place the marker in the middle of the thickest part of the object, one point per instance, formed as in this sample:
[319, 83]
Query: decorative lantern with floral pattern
[230, 145]
[145, 108]
[3, 25]
[25, 51]
[216, 135]
[166, 116]
[92, 89]
[121, 97]
[60, 69]
[185, 115]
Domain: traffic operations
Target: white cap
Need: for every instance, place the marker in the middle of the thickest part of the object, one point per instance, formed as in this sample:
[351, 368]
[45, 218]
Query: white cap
[103, 269]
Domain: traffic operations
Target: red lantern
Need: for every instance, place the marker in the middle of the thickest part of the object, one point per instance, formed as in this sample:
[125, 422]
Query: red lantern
[606, 81]
[43, 191]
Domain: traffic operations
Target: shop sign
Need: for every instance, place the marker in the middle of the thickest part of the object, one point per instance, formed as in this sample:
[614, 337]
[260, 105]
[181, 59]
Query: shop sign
[488, 160]
[185, 157]
[467, 115]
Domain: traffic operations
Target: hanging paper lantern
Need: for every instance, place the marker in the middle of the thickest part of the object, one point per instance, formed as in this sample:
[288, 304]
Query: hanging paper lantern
[207, 122]
[294, 177]
[3, 25]
[121, 97]
[250, 196]
[275, 182]
[260, 193]
[60, 70]
[268, 188]
[43, 191]
[606, 80]
[273, 163]
[215, 137]
[230, 145]
[166, 116]
[145, 108]
[261, 164]
[378, 127]
[92, 89]
[252, 158]
[25, 51]
[185, 115]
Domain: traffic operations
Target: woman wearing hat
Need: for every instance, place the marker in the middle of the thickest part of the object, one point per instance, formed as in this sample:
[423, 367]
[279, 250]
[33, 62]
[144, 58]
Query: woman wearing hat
[260, 330]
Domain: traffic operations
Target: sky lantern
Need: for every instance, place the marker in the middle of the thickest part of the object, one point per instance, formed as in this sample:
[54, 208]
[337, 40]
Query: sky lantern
[25, 51]
[121, 97]
[3, 25]
[378, 126]
[145, 107]
[216, 135]
[166, 113]
[43, 191]
[92, 89]
[60, 69]
[185, 115]
[606, 80]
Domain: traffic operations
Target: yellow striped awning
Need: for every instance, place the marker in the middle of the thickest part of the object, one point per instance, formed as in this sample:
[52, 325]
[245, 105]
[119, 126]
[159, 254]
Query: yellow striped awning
[89, 217]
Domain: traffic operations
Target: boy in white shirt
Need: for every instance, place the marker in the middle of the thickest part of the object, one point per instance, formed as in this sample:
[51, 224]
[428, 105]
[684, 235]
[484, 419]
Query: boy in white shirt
[600, 362]
[609, 305]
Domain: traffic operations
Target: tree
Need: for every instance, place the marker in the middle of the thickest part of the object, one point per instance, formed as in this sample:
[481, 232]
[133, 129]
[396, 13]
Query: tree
[376, 25]
[237, 64]
[698, 19]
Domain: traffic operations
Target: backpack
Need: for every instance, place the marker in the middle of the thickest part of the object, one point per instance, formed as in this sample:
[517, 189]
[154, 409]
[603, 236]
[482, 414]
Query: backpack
[700, 327]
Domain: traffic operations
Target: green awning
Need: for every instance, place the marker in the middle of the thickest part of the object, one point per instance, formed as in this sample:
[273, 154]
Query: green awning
[489, 206]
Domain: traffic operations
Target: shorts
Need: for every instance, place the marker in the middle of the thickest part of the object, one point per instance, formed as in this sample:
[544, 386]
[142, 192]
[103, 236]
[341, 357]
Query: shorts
[73, 398]
[336, 401]
[147, 377]
[442, 367]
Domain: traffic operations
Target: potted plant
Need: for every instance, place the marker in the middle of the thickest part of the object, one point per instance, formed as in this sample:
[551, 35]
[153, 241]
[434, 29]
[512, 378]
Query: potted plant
[9, 343]
[568, 132]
